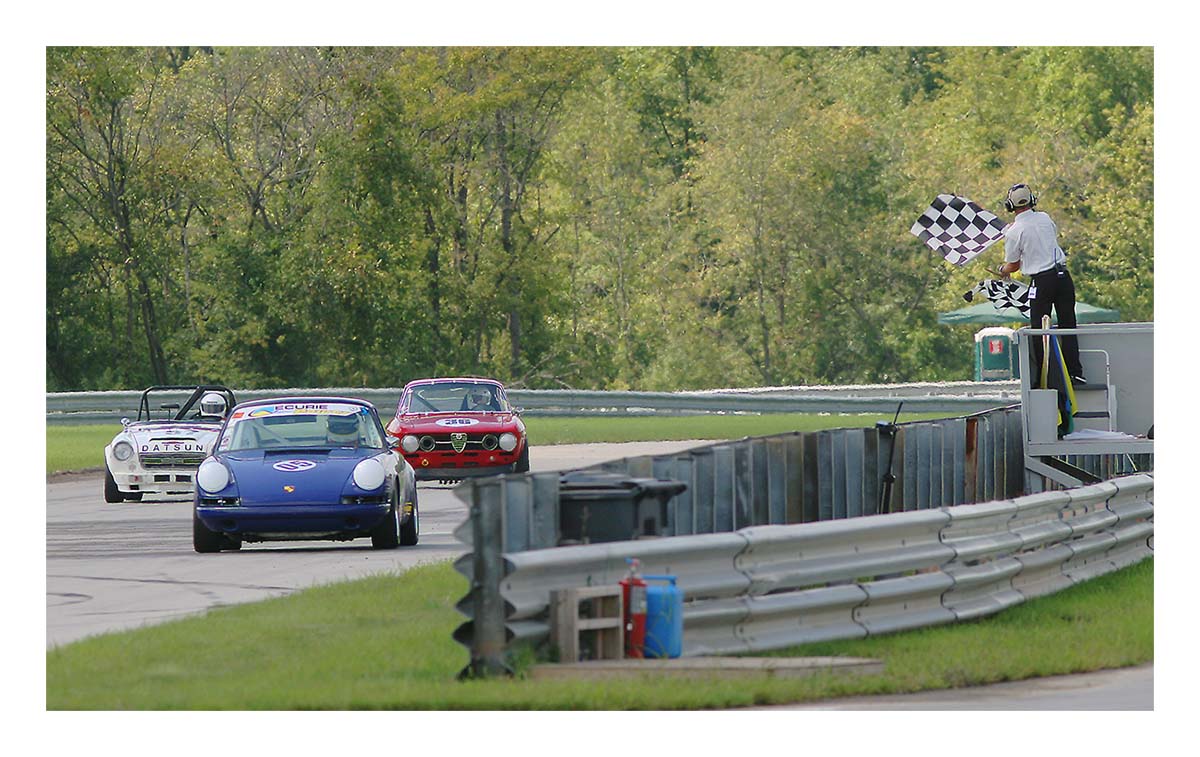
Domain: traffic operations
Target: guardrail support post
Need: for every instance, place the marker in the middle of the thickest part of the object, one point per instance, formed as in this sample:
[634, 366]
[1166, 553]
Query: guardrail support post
[887, 440]
[489, 638]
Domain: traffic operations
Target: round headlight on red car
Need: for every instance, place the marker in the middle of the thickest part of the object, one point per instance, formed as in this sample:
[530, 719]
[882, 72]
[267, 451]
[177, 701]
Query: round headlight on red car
[409, 443]
[489, 442]
[508, 441]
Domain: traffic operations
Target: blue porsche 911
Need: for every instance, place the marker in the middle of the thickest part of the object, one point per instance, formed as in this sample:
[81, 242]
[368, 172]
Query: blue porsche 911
[300, 469]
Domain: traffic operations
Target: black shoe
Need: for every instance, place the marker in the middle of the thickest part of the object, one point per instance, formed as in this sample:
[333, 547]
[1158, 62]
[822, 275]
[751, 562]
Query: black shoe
[1078, 381]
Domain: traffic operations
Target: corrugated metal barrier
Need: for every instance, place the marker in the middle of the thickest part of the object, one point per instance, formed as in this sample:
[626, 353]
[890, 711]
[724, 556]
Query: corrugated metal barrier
[770, 548]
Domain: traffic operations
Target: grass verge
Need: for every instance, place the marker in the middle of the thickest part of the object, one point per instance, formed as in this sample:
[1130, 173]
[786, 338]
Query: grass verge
[385, 642]
[591, 429]
[77, 447]
[81, 447]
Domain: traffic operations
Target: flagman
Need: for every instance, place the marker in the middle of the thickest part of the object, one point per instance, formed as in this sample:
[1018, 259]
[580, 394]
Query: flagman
[1031, 246]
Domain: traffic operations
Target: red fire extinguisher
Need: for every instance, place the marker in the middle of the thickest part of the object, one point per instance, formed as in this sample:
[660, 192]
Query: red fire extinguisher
[633, 591]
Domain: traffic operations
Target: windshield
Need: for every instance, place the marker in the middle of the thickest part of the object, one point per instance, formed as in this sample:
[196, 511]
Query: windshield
[298, 425]
[454, 397]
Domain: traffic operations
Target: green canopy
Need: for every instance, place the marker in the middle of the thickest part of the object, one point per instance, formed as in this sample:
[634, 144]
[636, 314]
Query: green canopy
[985, 312]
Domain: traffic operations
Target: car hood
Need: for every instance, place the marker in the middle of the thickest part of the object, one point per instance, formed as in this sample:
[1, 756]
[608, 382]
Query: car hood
[315, 475]
[444, 423]
[172, 437]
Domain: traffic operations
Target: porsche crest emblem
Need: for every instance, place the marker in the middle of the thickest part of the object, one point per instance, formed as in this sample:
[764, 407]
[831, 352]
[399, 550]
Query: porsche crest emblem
[458, 442]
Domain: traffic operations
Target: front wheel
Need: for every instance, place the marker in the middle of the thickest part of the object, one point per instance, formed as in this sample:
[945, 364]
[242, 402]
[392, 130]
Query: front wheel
[522, 465]
[111, 492]
[410, 531]
[387, 534]
[205, 540]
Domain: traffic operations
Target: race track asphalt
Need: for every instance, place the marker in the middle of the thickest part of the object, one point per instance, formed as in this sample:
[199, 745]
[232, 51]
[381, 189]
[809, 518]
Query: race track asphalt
[117, 566]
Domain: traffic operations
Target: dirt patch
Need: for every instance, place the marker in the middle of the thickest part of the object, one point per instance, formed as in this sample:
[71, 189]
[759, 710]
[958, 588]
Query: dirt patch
[61, 476]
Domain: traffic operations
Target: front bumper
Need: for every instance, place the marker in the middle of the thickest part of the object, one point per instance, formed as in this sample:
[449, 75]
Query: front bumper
[158, 481]
[448, 474]
[442, 466]
[282, 522]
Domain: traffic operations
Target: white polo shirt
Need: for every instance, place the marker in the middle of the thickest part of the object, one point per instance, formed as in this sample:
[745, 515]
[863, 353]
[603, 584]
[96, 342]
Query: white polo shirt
[1032, 238]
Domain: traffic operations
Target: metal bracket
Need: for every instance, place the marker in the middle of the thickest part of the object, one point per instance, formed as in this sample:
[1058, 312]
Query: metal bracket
[1060, 471]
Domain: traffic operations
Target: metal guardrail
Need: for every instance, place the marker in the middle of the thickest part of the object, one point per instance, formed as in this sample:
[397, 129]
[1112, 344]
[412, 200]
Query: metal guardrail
[965, 397]
[768, 587]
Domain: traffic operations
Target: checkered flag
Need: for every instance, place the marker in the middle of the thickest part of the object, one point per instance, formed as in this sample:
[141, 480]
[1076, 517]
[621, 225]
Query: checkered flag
[957, 228]
[1002, 293]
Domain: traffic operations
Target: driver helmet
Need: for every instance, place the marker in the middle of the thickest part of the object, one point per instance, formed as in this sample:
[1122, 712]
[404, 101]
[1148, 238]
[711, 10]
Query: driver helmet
[212, 405]
[343, 428]
[478, 395]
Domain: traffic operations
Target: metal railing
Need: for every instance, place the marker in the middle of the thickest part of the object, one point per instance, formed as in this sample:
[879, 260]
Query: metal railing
[823, 479]
[769, 587]
[958, 397]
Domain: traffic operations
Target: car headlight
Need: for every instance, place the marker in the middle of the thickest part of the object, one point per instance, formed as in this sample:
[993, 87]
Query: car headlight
[122, 450]
[212, 476]
[369, 475]
[409, 443]
[508, 442]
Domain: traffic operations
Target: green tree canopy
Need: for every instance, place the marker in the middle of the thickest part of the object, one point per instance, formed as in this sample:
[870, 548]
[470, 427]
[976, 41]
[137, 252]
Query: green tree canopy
[648, 218]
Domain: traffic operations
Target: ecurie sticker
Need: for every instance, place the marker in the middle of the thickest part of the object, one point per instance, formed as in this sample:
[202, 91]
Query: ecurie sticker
[294, 466]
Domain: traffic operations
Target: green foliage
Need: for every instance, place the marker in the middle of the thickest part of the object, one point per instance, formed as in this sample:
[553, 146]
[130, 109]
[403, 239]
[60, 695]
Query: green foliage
[647, 218]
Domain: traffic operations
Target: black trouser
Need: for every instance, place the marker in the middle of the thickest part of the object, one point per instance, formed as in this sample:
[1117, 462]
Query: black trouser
[1054, 289]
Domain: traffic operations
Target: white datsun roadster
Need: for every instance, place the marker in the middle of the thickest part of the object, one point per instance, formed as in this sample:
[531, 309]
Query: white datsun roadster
[160, 455]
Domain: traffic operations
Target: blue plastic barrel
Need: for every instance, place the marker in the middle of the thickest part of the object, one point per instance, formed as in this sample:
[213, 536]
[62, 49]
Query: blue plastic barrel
[664, 618]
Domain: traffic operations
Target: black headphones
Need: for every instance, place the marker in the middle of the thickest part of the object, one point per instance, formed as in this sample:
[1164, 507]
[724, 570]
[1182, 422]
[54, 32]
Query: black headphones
[1008, 204]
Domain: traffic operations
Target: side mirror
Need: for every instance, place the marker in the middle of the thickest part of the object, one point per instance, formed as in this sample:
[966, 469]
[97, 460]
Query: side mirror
[518, 410]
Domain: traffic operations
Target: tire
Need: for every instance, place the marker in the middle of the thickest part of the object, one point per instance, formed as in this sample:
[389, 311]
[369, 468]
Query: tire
[387, 534]
[522, 464]
[204, 540]
[111, 492]
[410, 532]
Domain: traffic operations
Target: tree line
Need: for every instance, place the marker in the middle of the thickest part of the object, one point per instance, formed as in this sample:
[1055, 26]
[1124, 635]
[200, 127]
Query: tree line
[647, 218]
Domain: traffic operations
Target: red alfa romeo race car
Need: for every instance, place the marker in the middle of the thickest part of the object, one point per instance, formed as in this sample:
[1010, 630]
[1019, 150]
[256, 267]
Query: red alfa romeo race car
[454, 428]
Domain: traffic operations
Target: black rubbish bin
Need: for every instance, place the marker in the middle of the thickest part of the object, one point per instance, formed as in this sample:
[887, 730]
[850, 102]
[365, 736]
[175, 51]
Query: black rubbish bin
[597, 506]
